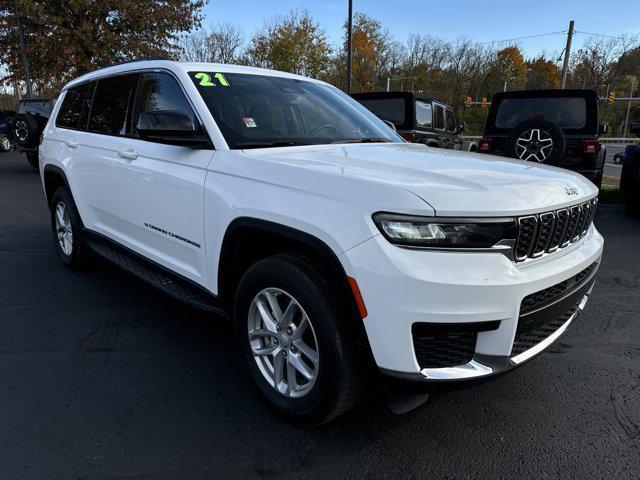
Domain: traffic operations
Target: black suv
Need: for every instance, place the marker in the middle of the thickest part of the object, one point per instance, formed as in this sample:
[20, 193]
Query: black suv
[28, 124]
[418, 118]
[6, 135]
[555, 127]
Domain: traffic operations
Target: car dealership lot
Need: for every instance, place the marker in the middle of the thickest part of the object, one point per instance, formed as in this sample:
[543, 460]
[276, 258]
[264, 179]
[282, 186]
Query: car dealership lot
[103, 377]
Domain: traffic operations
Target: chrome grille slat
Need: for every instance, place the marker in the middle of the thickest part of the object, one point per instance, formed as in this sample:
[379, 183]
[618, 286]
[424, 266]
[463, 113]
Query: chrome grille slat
[549, 231]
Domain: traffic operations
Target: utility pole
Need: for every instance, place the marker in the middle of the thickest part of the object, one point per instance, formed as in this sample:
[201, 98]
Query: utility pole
[567, 53]
[349, 47]
[626, 120]
[23, 52]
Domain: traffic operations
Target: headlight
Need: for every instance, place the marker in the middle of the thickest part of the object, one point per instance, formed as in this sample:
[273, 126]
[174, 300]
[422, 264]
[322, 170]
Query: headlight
[433, 232]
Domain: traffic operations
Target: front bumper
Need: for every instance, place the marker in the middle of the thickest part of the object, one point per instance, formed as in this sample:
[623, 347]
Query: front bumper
[402, 287]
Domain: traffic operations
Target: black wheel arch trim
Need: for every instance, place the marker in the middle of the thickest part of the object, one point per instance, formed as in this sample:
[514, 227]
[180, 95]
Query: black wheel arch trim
[54, 169]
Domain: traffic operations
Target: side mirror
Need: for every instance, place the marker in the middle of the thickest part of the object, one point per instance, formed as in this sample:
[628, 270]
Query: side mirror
[390, 124]
[461, 127]
[604, 128]
[172, 127]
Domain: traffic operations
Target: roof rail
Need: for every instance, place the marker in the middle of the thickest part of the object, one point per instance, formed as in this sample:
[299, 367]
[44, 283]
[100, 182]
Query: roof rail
[146, 59]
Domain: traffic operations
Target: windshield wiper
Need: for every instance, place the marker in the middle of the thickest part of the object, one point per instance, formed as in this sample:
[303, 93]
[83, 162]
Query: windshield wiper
[246, 145]
[364, 140]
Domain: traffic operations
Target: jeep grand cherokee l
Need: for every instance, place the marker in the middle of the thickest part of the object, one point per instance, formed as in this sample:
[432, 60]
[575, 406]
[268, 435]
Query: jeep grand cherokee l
[282, 203]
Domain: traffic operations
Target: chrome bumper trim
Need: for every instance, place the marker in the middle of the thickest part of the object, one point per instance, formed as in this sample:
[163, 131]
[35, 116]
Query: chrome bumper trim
[485, 365]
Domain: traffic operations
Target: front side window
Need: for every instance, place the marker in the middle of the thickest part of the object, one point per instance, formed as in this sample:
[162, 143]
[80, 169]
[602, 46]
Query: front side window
[109, 107]
[255, 111]
[75, 107]
[424, 114]
[451, 121]
[158, 91]
[438, 117]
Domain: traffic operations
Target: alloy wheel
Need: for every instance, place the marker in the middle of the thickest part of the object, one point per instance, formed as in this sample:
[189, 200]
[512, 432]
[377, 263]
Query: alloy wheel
[283, 342]
[5, 144]
[534, 145]
[64, 230]
[21, 131]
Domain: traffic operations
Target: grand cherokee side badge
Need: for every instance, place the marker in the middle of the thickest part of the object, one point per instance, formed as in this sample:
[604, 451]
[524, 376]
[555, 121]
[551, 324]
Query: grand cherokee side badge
[571, 190]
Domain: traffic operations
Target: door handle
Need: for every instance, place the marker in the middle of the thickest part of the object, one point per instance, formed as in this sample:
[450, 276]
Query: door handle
[71, 143]
[129, 154]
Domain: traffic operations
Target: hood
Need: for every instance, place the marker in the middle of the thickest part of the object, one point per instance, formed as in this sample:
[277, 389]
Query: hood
[452, 182]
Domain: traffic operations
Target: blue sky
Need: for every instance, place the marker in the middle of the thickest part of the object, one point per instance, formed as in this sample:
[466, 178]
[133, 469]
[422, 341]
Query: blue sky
[482, 21]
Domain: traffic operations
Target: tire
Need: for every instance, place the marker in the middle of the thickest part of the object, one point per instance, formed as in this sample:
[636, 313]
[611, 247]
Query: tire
[336, 378]
[32, 159]
[536, 140]
[5, 143]
[630, 180]
[26, 130]
[73, 252]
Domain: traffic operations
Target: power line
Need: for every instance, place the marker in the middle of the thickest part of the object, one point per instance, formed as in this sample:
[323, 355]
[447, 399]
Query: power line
[598, 34]
[522, 38]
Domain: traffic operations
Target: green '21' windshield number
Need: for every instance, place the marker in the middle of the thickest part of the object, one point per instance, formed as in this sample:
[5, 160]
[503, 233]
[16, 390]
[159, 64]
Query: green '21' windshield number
[205, 79]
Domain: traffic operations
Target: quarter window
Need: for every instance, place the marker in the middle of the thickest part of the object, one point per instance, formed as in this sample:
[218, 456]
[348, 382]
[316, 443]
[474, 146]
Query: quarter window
[424, 114]
[159, 91]
[451, 121]
[438, 117]
[75, 107]
[110, 104]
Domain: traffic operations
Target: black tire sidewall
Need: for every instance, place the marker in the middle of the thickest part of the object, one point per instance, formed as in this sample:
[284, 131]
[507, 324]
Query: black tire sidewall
[33, 160]
[336, 361]
[76, 257]
[552, 128]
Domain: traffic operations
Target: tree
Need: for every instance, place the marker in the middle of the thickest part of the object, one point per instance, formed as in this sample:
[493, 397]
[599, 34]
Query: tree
[295, 43]
[221, 43]
[509, 67]
[67, 38]
[542, 73]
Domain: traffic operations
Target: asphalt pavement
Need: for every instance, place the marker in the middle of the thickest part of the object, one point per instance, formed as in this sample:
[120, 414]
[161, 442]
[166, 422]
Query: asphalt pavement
[103, 377]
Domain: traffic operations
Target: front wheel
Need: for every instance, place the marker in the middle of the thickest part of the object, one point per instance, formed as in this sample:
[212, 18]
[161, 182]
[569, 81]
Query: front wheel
[294, 340]
[32, 159]
[5, 143]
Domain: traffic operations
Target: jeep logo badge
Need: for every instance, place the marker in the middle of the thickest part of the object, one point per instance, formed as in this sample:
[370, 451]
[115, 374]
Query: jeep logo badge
[571, 190]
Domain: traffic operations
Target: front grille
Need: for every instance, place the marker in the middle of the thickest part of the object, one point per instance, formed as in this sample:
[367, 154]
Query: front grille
[547, 232]
[529, 339]
[447, 345]
[544, 297]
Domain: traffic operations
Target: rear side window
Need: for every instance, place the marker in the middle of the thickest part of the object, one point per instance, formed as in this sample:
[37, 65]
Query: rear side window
[109, 107]
[451, 121]
[390, 109]
[159, 91]
[424, 114]
[438, 117]
[75, 107]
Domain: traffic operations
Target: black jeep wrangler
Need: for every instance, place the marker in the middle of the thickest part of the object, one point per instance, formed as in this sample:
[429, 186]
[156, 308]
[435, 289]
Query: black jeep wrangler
[28, 124]
[418, 118]
[556, 127]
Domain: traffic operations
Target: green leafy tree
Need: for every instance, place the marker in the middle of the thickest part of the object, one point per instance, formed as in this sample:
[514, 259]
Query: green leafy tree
[294, 43]
[67, 38]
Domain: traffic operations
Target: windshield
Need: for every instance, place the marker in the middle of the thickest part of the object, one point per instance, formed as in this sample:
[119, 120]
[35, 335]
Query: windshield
[568, 112]
[254, 111]
[391, 109]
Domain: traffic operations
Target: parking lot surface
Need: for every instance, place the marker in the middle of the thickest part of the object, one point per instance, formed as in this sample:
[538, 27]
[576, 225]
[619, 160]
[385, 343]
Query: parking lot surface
[103, 377]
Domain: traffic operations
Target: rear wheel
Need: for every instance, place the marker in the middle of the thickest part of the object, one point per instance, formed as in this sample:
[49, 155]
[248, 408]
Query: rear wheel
[536, 140]
[67, 230]
[294, 341]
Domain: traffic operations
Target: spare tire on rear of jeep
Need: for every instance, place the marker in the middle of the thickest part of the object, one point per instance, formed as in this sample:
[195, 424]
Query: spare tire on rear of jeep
[26, 130]
[536, 140]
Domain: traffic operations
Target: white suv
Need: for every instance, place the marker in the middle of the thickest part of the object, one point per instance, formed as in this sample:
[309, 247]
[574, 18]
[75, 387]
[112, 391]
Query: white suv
[280, 202]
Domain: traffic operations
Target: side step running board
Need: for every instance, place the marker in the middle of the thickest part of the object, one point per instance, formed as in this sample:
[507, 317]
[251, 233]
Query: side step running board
[157, 276]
